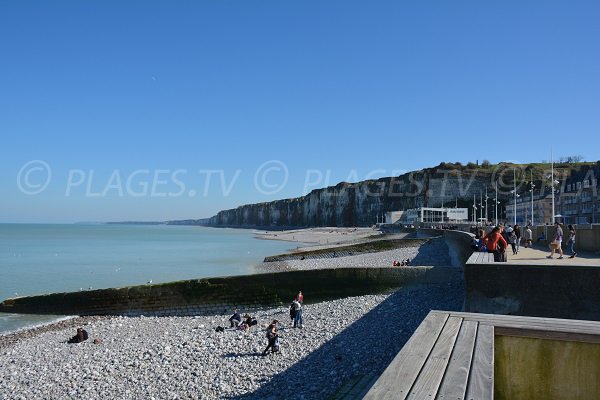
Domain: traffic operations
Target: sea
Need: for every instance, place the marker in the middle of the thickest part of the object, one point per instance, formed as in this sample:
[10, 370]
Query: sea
[50, 258]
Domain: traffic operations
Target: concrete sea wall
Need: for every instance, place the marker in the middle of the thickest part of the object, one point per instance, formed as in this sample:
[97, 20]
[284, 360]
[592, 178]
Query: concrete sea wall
[555, 291]
[214, 296]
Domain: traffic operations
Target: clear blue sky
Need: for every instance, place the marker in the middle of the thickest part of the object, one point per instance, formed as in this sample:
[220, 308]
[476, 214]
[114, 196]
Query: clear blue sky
[362, 89]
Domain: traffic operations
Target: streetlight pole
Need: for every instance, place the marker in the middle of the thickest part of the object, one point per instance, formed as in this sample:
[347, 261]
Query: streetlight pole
[532, 187]
[515, 195]
[486, 208]
[552, 177]
[474, 209]
[480, 206]
[496, 203]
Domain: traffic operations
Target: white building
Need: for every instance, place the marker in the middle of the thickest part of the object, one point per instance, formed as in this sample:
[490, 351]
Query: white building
[435, 215]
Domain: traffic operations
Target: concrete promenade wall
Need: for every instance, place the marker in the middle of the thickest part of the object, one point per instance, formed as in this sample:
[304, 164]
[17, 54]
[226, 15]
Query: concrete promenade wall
[213, 296]
[458, 242]
[553, 291]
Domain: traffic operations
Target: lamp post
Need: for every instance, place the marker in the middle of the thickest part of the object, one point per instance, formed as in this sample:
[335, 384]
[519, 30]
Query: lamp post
[480, 206]
[531, 190]
[514, 191]
[552, 178]
[486, 207]
[474, 210]
[497, 202]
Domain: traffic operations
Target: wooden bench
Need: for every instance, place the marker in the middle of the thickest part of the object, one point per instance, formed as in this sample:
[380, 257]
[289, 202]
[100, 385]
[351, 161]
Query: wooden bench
[451, 355]
[480, 257]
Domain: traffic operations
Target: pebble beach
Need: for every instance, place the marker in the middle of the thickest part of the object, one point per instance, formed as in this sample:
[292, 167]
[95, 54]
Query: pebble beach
[342, 341]
[184, 357]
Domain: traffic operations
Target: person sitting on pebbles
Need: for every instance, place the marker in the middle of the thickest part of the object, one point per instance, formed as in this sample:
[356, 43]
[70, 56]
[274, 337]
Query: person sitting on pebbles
[248, 323]
[235, 319]
[81, 336]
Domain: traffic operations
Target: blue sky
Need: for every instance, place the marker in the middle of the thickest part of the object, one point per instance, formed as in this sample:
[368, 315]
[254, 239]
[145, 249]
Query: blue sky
[100, 91]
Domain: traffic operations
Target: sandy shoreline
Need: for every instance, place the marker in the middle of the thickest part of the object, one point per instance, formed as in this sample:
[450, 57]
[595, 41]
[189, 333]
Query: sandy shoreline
[318, 236]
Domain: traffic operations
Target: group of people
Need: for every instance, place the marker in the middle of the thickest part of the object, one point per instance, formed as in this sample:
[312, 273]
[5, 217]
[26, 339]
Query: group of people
[556, 243]
[499, 238]
[272, 329]
[401, 263]
[235, 321]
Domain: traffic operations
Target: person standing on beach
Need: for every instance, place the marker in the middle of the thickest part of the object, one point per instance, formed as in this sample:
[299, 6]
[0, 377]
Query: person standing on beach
[292, 313]
[556, 244]
[298, 316]
[300, 297]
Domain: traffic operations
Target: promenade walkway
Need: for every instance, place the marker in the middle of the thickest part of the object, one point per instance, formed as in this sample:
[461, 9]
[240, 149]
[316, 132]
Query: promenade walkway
[537, 256]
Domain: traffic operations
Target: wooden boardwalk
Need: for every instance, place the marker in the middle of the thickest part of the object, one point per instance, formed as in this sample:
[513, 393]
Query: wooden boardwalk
[451, 355]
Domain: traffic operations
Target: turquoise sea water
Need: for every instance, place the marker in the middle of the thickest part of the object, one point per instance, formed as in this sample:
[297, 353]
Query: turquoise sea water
[39, 258]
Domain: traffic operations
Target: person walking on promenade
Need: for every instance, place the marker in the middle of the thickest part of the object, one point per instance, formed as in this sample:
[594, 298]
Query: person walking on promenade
[556, 244]
[512, 239]
[528, 236]
[272, 337]
[495, 243]
[571, 242]
[517, 231]
[298, 316]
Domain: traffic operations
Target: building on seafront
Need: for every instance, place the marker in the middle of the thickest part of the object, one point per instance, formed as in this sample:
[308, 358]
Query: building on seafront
[435, 215]
[579, 202]
[542, 209]
[576, 201]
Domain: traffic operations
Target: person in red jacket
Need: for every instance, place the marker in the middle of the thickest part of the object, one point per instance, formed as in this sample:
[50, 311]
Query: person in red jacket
[495, 243]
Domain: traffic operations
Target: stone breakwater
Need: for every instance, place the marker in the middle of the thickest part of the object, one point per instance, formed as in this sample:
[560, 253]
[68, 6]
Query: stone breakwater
[183, 357]
[433, 253]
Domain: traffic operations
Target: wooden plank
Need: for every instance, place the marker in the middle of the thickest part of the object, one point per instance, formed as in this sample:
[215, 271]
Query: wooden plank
[488, 258]
[517, 321]
[430, 377]
[473, 258]
[481, 377]
[454, 384]
[543, 334]
[399, 376]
